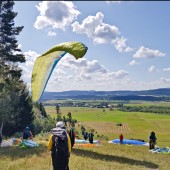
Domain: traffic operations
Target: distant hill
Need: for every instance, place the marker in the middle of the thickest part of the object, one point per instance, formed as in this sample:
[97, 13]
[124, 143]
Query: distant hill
[150, 95]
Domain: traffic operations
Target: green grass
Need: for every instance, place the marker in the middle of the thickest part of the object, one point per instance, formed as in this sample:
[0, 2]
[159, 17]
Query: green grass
[107, 156]
[140, 123]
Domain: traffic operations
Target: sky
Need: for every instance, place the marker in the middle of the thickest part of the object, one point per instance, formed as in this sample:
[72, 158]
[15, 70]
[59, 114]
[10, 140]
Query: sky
[128, 43]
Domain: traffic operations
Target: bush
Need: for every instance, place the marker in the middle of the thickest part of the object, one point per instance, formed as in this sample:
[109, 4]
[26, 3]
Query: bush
[43, 125]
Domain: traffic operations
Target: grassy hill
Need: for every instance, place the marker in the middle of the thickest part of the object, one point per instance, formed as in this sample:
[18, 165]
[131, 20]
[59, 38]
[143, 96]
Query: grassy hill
[138, 124]
[106, 157]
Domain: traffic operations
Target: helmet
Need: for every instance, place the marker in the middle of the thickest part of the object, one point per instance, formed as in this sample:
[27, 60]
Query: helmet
[60, 124]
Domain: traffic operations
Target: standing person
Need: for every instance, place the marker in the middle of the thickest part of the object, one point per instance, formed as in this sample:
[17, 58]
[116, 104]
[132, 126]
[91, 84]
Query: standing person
[72, 136]
[60, 146]
[0, 137]
[91, 135]
[1, 134]
[121, 138]
[27, 134]
[152, 140]
[85, 135]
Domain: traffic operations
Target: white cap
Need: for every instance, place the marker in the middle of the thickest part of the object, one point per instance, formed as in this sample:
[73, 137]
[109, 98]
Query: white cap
[60, 124]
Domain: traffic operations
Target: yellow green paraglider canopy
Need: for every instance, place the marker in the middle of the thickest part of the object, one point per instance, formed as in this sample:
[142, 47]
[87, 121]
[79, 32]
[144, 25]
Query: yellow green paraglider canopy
[45, 64]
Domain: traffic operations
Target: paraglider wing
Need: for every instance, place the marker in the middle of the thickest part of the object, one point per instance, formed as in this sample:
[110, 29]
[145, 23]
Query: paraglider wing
[45, 64]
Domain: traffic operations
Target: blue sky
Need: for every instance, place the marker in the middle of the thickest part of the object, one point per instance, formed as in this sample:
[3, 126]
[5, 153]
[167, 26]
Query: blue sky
[128, 43]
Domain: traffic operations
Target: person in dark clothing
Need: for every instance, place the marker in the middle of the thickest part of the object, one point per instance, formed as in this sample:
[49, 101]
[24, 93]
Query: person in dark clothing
[85, 135]
[152, 140]
[0, 137]
[72, 136]
[121, 138]
[27, 134]
[91, 135]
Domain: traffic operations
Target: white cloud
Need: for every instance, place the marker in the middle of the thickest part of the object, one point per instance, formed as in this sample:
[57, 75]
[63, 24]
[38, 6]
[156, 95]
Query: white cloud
[94, 66]
[100, 32]
[51, 33]
[82, 74]
[19, 46]
[152, 69]
[120, 45]
[71, 71]
[115, 2]
[144, 52]
[118, 75]
[133, 62]
[27, 67]
[94, 27]
[165, 80]
[56, 14]
[166, 69]
[85, 65]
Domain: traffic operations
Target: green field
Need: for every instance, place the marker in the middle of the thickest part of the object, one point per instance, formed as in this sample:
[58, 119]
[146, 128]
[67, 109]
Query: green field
[139, 124]
[136, 125]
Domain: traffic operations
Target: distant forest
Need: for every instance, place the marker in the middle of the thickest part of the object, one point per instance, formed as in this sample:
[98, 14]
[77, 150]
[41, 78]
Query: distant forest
[146, 95]
[149, 109]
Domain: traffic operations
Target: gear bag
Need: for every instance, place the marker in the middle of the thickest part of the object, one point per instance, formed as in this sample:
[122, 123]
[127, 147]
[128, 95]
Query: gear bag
[60, 149]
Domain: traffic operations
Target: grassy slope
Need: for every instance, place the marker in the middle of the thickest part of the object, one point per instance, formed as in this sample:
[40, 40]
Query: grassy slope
[106, 157]
[139, 123]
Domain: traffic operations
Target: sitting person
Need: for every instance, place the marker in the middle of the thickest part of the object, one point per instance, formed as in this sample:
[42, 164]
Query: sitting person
[27, 134]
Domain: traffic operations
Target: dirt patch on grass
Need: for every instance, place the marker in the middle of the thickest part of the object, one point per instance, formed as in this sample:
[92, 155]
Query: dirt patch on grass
[108, 127]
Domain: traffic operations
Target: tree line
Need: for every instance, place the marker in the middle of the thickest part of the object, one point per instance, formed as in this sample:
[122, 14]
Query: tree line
[16, 107]
[150, 109]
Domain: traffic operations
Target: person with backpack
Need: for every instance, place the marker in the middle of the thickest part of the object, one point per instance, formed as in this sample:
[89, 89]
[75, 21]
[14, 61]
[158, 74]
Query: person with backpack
[60, 146]
[91, 135]
[72, 136]
[27, 134]
[152, 140]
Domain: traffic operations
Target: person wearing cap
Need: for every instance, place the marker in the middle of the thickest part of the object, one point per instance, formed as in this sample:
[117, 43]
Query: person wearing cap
[59, 132]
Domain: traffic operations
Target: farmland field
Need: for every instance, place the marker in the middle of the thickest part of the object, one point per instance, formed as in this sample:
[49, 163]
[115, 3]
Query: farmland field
[135, 124]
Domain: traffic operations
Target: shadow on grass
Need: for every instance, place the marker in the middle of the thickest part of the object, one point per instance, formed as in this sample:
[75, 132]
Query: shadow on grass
[118, 159]
[15, 152]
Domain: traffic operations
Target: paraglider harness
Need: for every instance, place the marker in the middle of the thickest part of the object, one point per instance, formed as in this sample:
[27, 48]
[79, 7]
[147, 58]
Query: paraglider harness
[60, 154]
